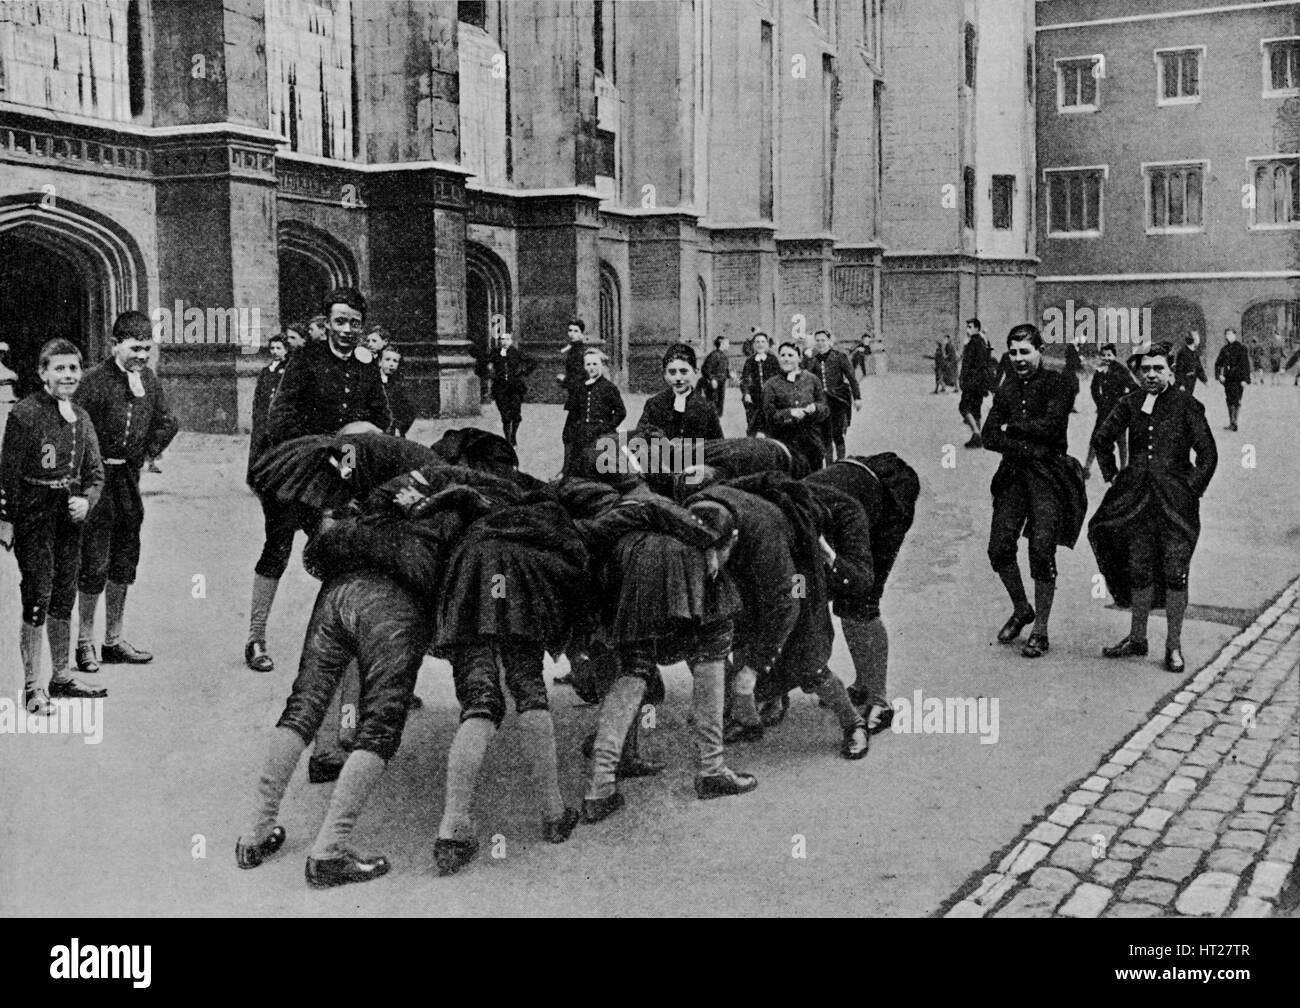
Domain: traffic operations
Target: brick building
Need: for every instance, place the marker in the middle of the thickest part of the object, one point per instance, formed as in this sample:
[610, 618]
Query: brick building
[665, 170]
[1169, 152]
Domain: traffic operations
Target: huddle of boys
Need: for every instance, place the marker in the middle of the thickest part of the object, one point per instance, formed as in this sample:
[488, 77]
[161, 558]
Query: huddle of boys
[489, 568]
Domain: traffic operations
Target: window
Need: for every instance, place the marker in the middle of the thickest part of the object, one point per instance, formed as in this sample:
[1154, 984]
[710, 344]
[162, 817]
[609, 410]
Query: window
[1178, 76]
[134, 58]
[1029, 74]
[1174, 197]
[1078, 83]
[871, 27]
[1275, 183]
[1004, 191]
[765, 123]
[1074, 208]
[968, 53]
[1281, 66]
[878, 131]
[968, 196]
[598, 33]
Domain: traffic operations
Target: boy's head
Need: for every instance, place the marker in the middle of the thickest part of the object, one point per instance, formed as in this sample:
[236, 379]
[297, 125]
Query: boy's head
[132, 339]
[59, 367]
[389, 360]
[278, 347]
[345, 313]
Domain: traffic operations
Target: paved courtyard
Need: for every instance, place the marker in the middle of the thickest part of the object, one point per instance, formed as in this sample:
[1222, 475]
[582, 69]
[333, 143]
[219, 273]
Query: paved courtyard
[1194, 808]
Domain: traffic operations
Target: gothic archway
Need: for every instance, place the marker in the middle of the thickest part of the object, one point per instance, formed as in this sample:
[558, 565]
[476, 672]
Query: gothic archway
[611, 316]
[65, 270]
[312, 263]
[1172, 318]
[487, 305]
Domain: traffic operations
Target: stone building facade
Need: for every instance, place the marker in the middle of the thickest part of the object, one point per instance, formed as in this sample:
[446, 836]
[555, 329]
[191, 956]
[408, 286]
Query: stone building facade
[673, 169]
[1169, 151]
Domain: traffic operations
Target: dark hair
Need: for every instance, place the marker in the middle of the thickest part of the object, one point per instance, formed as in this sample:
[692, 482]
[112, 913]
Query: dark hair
[792, 345]
[297, 327]
[390, 349]
[133, 325]
[318, 320]
[582, 326]
[718, 341]
[716, 518]
[1162, 349]
[344, 296]
[819, 332]
[975, 322]
[681, 352]
[382, 332]
[756, 335]
[55, 348]
[1108, 346]
[277, 338]
[1025, 333]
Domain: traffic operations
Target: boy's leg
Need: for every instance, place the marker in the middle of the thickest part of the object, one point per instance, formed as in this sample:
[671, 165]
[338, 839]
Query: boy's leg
[477, 678]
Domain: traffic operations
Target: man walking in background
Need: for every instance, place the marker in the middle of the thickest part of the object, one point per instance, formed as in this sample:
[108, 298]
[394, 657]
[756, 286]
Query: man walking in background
[975, 379]
[1232, 370]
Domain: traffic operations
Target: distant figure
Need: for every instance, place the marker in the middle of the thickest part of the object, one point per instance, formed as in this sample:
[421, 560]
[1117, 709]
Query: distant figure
[597, 409]
[761, 366]
[1276, 351]
[399, 405]
[859, 354]
[1188, 368]
[1111, 382]
[267, 383]
[510, 369]
[1232, 371]
[977, 379]
[716, 371]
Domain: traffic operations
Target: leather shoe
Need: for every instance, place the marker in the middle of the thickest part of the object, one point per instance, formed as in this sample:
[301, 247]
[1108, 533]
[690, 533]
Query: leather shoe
[252, 855]
[883, 722]
[256, 658]
[38, 702]
[1012, 627]
[123, 653]
[451, 856]
[325, 768]
[1174, 660]
[1036, 646]
[975, 442]
[636, 766]
[738, 732]
[856, 743]
[86, 658]
[325, 872]
[558, 830]
[1126, 648]
[720, 785]
[596, 809]
[75, 690]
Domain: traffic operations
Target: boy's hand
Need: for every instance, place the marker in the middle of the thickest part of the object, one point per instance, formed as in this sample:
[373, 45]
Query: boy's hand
[78, 508]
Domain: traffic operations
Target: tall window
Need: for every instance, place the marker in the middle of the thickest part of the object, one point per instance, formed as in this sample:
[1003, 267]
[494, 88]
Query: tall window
[1004, 192]
[1276, 186]
[1174, 197]
[134, 58]
[828, 141]
[1029, 74]
[878, 131]
[1074, 201]
[968, 196]
[598, 33]
[1078, 83]
[968, 51]
[765, 123]
[1281, 66]
[1178, 76]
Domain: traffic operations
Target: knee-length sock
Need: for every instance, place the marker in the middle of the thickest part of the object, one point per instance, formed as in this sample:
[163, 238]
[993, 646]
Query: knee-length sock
[86, 606]
[832, 692]
[1015, 586]
[1175, 610]
[282, 757]
[743, 708]
[1140, 612]
[618, 712]
[60, 635]
[1044, 593]
[706, 702]
[29, 646]
[538, 732]
[114, 611]
[357, 779]
[868, 644]
[264, 589]
[463, 762]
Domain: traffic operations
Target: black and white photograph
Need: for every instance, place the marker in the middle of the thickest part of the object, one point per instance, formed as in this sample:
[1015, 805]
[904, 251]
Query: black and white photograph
[654, 459]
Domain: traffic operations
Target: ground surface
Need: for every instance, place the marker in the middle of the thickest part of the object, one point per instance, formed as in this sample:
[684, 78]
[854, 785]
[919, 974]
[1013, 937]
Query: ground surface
[116, 828]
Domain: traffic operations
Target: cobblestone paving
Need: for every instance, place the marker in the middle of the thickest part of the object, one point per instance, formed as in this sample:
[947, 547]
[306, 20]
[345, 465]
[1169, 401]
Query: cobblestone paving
[1197, 814]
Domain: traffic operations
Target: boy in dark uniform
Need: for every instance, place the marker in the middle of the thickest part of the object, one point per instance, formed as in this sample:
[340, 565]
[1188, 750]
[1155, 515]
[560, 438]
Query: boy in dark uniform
[840, 388]
[325, 386]
[50, 480]
[571, 381]
[510, 369]
[716, 371]
[263, 393]
[1038, 489]
[127, 405]
[399, 405]
[975, 379]
[1111, 382]
[761, 366]
[1146, 528]
[1232, 370]
[1188, 369]
[597, 409]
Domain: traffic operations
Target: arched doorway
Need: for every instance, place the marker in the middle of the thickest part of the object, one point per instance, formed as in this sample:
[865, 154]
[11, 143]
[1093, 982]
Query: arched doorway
[487, 306]
[65, 270]
[611, 316]
[1259, 320]
[312, 263]
[1172, 318]
[702, 316]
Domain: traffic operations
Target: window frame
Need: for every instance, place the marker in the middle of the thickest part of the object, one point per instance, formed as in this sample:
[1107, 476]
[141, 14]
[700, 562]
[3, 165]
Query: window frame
[1254, 224]
[1266, 77]
[1100, 231]
[1011, 202]
[1161, 100]
[1172, 229]
[1098, 75]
